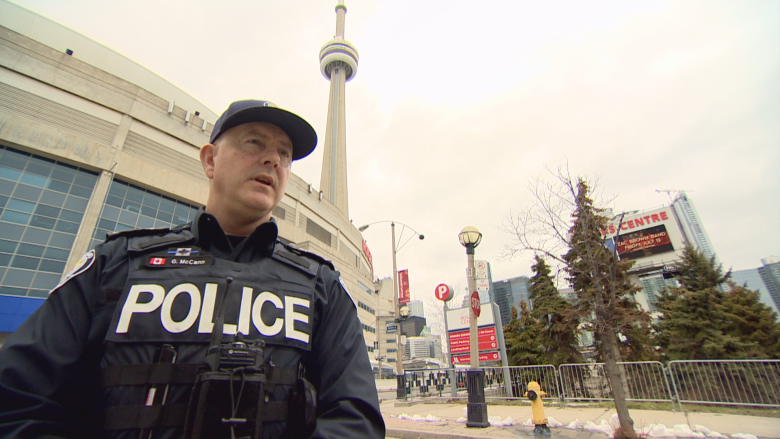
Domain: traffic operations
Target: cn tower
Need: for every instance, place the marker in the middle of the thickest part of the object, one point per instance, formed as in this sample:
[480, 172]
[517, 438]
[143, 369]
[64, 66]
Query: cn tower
[338, 63]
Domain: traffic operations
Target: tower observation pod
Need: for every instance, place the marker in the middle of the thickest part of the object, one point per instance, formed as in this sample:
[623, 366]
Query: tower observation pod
[338, 64]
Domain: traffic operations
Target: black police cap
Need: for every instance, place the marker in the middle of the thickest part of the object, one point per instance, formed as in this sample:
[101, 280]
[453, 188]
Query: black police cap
[302, 135]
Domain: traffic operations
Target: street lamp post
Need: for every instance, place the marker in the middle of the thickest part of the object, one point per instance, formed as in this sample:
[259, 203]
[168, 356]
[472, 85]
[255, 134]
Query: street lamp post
[477, 416]
[399, 365]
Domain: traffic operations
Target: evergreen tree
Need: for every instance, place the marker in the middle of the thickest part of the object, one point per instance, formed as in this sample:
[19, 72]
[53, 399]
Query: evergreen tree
[559, 324]
[696, 321]
[604, 290]
[520, 337]
[752, 322]
[636, 342]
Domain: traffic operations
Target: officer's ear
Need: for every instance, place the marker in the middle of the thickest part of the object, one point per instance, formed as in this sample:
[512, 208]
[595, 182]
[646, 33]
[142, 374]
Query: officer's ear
[207, 154]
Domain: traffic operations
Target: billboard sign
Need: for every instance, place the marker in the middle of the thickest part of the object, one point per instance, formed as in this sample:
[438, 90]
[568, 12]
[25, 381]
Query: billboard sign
[652, 238]
[644, 243]
[403, 287]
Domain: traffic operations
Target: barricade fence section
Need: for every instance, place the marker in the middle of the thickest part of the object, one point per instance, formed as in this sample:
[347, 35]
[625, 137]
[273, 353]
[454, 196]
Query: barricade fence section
[430, 382]
[724, 382]
[642, 381]
[519, 377]
[727, 382]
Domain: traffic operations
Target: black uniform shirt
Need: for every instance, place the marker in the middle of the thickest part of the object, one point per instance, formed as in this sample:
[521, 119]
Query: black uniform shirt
[49, 367]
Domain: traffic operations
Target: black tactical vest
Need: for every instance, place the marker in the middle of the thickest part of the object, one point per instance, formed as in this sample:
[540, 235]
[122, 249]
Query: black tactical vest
[163, 322]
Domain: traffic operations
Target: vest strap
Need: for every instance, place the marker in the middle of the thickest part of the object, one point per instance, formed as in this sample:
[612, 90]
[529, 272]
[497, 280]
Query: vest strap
[141, 374]
[166, 416]
[166, 373]
[141, 416]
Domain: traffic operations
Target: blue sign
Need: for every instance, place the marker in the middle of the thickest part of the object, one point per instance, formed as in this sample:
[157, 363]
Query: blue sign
[391, 329]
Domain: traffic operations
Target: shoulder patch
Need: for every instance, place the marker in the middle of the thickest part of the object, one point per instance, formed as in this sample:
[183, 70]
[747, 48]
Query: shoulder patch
[307, 254]
[81, 266]
[136, 232]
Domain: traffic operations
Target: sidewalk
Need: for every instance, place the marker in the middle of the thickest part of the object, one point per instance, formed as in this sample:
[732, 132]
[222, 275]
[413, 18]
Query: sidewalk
[447, 427]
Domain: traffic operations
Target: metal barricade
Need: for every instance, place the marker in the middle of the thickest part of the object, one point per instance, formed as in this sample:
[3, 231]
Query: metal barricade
[427, 382]
[520, 376]
[643, 381]
[727, 382]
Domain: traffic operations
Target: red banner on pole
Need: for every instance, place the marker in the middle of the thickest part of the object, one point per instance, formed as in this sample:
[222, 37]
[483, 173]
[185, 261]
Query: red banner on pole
[403, 287]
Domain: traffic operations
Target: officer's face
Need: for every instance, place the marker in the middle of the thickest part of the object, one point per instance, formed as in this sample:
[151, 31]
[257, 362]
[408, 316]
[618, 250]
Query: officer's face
[248, 166]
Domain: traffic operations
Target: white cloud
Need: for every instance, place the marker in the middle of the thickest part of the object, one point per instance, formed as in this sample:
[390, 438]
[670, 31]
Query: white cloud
[456, 104]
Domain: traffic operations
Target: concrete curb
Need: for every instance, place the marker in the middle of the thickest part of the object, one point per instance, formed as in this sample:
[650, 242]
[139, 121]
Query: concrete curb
[408, 434]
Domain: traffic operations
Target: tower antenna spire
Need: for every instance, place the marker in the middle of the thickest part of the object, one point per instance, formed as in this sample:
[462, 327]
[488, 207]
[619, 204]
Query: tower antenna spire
[669, 193]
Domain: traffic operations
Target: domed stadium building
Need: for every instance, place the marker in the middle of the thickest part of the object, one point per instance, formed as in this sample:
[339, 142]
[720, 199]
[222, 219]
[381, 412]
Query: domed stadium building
[93, 143]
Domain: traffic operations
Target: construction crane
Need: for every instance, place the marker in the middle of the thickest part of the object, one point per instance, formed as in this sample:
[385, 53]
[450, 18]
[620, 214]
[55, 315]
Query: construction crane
[669, 193]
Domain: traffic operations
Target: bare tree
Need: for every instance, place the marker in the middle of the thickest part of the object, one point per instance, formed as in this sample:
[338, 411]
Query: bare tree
[563, 225]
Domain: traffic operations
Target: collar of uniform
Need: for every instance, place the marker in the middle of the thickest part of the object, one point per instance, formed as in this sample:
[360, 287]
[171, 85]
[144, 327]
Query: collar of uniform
[212, 238]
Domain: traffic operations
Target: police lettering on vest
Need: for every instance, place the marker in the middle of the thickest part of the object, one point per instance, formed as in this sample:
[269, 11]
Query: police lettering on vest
[168, 310]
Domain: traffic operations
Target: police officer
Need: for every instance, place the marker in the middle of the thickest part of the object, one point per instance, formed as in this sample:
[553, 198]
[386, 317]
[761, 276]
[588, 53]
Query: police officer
[213, 329]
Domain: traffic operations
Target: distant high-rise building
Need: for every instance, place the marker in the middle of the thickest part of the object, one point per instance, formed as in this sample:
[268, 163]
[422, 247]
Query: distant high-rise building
[770, 274]
[586, 339]
[751, 279]
[692, 226]
[509, 293]
[416, 308]
[424, 346]
[652, 286]
[413, 326]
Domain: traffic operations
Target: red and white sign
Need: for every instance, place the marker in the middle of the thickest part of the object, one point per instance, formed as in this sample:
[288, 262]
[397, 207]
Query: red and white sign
[466, 359]
[368, 253]
[475, 305]
[403, 287]
[461, 341]
[443, 292]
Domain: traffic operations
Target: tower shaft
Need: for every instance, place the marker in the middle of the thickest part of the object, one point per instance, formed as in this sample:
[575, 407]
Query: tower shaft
[338, 63]
[333, 178]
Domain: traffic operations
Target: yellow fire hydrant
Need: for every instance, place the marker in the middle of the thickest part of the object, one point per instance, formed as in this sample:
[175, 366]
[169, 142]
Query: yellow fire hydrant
[535, 394]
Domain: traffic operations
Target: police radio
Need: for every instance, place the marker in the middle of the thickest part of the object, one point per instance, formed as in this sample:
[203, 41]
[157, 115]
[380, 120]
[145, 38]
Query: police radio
[227, 397]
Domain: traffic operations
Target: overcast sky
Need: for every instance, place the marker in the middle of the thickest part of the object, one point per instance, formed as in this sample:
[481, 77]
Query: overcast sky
[457, 104]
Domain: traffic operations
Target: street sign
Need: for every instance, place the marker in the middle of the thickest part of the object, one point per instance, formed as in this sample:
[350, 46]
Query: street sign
[443, 292]
[391, 329]
[475, 306]
[460, 341]
[466, 359]
[482, 270]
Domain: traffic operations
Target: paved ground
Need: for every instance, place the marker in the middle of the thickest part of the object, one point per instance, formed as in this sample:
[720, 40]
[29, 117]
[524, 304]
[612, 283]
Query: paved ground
[724, 424]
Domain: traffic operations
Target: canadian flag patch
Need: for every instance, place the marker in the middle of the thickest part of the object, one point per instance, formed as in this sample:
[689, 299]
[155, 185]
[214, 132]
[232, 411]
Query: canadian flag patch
[156, 261]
